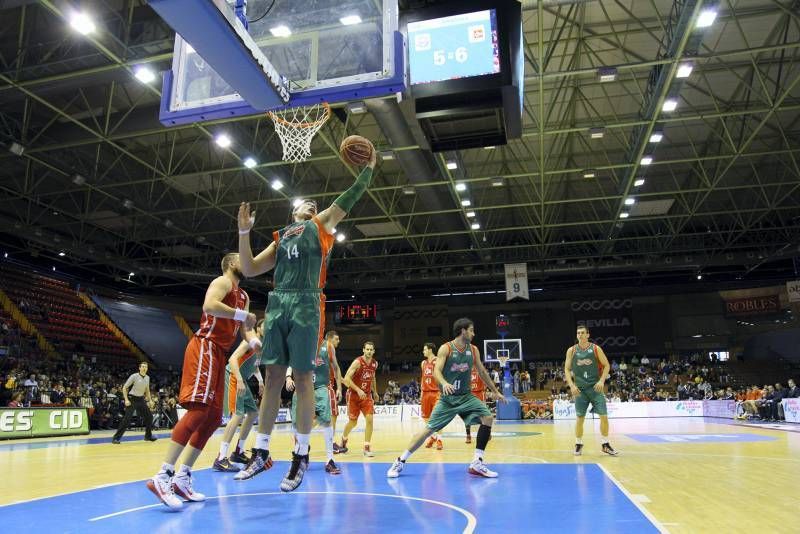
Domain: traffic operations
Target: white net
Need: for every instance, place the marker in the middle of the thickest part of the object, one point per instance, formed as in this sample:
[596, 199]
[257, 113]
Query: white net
[502, 360]
[297, 126]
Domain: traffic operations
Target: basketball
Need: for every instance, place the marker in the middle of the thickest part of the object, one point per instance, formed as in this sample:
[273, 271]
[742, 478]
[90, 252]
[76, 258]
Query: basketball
[356, 150]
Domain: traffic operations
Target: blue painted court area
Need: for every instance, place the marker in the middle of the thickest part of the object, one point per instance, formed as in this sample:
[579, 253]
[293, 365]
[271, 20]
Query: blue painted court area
[699, 438]
[433, 498]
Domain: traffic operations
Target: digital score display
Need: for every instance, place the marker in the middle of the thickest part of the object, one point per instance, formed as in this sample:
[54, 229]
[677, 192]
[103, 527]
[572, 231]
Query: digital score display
[449, 48]
[356, 313]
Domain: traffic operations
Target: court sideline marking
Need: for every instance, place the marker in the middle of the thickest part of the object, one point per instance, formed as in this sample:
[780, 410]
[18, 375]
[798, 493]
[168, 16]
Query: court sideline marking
[658, 524]
[472, 522]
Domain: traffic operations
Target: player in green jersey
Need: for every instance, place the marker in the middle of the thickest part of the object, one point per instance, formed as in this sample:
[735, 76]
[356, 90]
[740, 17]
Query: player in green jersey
[326, 365]
[587, 363]
[295, 317]
[239, 402]
[454, 362]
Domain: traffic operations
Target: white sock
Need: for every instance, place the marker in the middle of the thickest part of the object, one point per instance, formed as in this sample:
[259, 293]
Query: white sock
[405, 456]
[184, 469]
[366, 444]
[328, 432]
[240, 445]
[262, 441]
[167, 468]
[578, 441]
[436, 435]
[302, 444]
[604, 441]
[223, 450]
[478, 455]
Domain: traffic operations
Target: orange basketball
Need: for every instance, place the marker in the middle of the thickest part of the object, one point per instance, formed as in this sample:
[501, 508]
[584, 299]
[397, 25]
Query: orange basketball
[356, 150]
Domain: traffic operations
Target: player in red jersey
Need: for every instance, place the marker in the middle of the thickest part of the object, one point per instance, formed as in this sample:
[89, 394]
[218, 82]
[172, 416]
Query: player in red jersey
[362, 394]
[225, 308]
[430, 392]
[478, 389]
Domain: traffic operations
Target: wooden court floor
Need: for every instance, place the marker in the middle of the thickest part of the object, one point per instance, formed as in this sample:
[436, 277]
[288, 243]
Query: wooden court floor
[684, 474]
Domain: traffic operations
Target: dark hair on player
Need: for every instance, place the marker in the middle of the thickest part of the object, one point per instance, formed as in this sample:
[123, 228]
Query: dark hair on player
[330, 334]
[431, 346]
[461, 324]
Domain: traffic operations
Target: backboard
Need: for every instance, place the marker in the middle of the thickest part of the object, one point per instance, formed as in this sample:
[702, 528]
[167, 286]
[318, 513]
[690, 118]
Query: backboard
[510, 348]
[323, 50]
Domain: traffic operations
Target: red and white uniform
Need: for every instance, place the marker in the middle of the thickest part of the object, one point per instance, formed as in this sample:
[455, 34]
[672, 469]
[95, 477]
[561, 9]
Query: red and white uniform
[363, 379]
[477, 386]
[430, 390]
[203, 377]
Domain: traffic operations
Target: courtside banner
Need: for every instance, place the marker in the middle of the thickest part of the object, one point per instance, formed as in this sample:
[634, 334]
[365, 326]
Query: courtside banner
[40, 422]
[791, 410]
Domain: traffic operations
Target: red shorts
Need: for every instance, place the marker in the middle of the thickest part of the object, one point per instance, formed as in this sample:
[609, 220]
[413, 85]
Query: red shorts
[429, 399]
[355, 405]
[203, 377]
[334, 402]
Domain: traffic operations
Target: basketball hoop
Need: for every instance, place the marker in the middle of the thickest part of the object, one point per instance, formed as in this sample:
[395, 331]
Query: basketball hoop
[502, 360]
[297, 126]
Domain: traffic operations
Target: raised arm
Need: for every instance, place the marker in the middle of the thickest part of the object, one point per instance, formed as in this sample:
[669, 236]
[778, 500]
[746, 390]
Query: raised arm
[265, 261]
[344, 203]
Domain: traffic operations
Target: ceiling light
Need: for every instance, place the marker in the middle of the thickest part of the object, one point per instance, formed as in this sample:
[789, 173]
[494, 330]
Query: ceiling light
[684, 70]
[452, 165]
[670, 104]
[597, 133]
[280, 31]
[630, 201]
[296, 202]
[470, 214]
[340, 237]
[78, 179]
[334, 231]
[699, 276]
[656, 137]
[144, 74]
[62, 253]
[497, 182]
[646, 160]
[250, 163]
[475, 226]
[222, 140]
[131, 274]
[607, 74]
[706, 18]
[128, 204]
[169, 224]
[386, 155]
[638, 182]
[356, 108]
[624, 215]
[349, 20]
[461, 186]
[16, 149]
[589, 173]
[277, 185]
[54, 268]
[466, 203]
[409, 190]
[82, 23]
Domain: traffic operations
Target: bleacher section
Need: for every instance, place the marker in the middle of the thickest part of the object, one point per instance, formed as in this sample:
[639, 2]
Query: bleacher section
[61, 317]
[154, 330]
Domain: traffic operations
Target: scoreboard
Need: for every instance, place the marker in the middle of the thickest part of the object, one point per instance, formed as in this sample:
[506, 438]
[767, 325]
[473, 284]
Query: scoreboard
[356, 313]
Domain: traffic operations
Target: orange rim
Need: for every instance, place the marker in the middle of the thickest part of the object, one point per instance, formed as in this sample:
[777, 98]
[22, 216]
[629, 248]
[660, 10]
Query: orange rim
[303, 125]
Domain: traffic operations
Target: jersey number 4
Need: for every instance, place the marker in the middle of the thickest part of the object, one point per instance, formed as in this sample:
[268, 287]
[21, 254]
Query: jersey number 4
[292, 252]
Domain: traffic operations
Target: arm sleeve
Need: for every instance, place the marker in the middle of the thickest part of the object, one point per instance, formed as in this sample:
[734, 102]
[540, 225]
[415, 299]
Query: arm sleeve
[348, 199]
[129, 382]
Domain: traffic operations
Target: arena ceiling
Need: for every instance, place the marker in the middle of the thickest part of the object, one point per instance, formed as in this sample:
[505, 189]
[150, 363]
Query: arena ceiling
[86, 168]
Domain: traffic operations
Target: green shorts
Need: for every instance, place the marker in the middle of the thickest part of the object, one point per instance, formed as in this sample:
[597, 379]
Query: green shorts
[322, 406]
[469, 407]
[590, 396]
[235, 402]
[293, 328]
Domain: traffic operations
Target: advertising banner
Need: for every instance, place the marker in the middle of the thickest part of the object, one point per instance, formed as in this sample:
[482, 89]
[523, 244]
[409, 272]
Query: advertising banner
[689, 408]
[753, 306]
[40, 422]
[610, 321]
[791, 410]
[719, 408]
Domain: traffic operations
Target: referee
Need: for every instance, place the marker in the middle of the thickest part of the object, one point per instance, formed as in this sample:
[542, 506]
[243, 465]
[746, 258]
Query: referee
[139, 384]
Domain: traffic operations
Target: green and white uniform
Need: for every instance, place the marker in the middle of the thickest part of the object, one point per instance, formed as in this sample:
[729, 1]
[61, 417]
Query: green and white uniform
[295, 317]
[322, 403]
[457, 371]
[241, 403]
[586, 373]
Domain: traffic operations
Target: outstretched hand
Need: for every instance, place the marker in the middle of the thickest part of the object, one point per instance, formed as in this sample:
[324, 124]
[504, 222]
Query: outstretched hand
[374, 159]
[246, 218]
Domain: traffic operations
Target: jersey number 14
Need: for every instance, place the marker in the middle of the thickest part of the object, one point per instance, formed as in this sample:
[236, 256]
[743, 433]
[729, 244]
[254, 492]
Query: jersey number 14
[292, 251]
